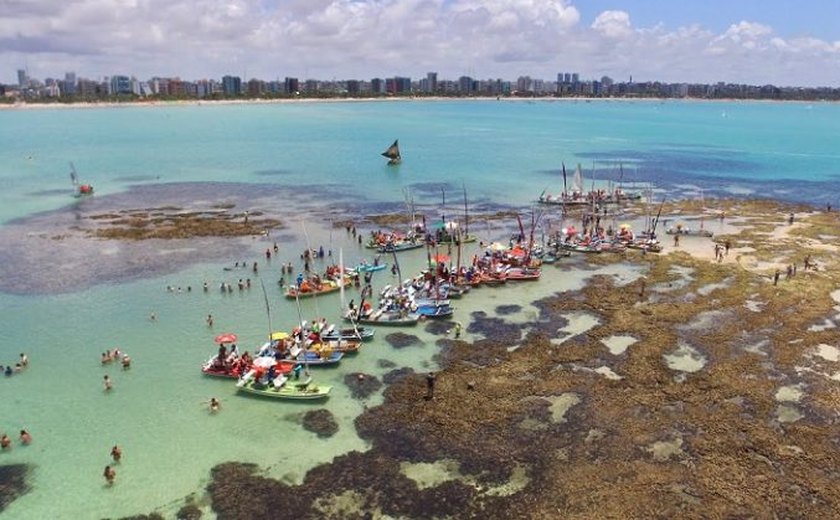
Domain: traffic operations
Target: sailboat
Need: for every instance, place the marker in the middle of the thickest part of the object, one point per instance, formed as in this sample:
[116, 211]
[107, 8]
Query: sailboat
[567, 198]
[393, 153]
[79, 189]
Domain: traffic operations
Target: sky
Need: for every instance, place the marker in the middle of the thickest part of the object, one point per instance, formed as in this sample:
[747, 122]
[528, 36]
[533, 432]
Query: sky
[705, 41]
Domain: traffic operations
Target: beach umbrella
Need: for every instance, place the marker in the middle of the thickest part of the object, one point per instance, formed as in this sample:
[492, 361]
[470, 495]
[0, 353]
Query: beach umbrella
[570, 230]
[277, 336]
[440, 259]
[227, 337]
[496, 246]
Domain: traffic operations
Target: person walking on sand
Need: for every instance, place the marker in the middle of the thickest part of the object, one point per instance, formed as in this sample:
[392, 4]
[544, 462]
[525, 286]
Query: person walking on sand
[116, 453]
[776, 277]
[677, 240]
[110, 474]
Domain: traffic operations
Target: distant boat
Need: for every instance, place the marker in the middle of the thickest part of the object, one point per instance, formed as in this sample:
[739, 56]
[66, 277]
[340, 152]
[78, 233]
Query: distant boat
[393, 153]
[79, 189]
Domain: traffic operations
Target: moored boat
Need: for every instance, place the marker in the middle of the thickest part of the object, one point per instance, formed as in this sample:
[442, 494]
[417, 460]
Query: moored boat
[283, 387]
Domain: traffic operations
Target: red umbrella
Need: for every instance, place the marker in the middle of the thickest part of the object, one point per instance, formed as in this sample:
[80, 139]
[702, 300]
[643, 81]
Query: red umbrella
[440, 259]
[227, 337]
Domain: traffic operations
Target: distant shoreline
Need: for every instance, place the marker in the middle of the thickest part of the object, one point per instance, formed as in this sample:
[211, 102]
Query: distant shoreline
[200, 102]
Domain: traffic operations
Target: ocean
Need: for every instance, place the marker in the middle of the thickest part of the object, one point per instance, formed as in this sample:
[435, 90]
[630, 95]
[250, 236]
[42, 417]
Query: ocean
[65, 298]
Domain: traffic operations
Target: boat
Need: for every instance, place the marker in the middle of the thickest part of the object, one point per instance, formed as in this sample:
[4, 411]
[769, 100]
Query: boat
[283, 387]
[393, 154]
[365, 267]
[309, 288]
[80, 190]
[383, 317]
[348, 334]
[575, 197]
[434, 311]
[680, 229]
[515, 274]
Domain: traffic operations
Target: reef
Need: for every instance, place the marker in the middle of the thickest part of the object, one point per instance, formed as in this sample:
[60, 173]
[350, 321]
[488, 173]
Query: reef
[693, 417]
[362, 385]
[402, 340]
[176, 223]
[13, 483]
[320, 422]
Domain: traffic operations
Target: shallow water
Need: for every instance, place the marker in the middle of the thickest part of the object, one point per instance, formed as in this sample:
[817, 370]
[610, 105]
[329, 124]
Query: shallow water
[65, 301]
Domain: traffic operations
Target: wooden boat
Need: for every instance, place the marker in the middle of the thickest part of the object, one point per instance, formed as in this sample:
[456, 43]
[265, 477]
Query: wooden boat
[308, 289]
[348, 334]
[400, 245]
[344, 346]
[283, 387]
[369, 268]
[515, 274]
[393, 153]
[386, 318]
[689, 232]
[434, 311]
[236, 370]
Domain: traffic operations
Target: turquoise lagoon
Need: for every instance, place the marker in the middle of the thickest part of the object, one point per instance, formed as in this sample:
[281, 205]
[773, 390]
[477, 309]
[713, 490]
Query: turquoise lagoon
[308, 163]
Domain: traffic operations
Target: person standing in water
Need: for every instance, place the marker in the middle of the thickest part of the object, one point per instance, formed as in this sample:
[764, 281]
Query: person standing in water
[116, 453]
[110, 474]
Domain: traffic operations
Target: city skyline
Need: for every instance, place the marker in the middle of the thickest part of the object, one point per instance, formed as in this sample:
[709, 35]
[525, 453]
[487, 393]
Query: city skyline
[747, 42]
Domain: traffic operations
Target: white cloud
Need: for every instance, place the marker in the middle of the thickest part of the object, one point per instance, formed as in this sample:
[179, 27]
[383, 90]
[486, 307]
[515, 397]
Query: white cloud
[613, 24]
[367, 38]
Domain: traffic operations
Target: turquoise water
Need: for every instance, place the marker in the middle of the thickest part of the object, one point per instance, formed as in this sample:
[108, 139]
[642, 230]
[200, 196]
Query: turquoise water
[324, 159]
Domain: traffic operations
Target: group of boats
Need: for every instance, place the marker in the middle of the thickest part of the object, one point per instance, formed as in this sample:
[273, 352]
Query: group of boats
[280, 367]
[578, 196]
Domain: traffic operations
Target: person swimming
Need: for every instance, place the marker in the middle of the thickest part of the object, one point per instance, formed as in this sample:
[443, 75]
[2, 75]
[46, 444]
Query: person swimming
[25, 438]
[5, 442]
[107, 383]
[110, 474]
[215, 405]
[116, 453]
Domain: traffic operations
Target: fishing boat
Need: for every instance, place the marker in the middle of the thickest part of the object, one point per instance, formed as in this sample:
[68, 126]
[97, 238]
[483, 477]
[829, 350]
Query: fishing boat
[365, 267]
[348, 334]
[434, 311]
[680, 229]
[393, 153]
[80, 189]
[309, 288]
[283, 387]
[384, 317]
[521, 274]
[573, 197]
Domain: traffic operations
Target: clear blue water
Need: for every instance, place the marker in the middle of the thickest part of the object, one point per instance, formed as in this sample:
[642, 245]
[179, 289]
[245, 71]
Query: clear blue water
[322, 161]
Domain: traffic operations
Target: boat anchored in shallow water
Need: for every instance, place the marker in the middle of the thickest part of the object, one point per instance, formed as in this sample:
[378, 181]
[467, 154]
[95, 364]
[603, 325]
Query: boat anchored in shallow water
[284, 387]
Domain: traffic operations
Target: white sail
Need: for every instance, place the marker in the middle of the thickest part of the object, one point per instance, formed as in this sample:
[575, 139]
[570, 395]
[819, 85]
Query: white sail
[577, 181]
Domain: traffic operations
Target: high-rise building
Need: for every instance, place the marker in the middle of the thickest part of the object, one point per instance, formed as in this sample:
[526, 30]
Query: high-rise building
[567, 77]
[431, 82]
[119, 85]
[232, 85]
[575, 78]
[291, 86]
[23, 78]
[69, 85]
[465, 85]
[377, 86]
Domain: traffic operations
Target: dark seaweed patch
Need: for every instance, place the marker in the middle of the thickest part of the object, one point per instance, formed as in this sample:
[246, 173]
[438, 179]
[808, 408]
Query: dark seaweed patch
[402, 340]
[320, 422]
[362, 385]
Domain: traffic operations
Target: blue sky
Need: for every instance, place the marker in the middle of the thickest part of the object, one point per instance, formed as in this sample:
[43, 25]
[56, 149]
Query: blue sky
[704, 41]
